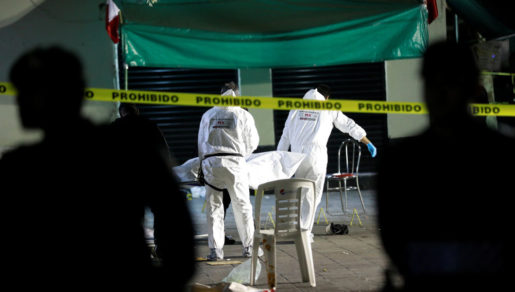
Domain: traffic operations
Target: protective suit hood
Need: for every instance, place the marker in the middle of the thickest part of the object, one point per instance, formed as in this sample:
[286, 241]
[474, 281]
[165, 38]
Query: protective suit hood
[313, 94]
[231, 92]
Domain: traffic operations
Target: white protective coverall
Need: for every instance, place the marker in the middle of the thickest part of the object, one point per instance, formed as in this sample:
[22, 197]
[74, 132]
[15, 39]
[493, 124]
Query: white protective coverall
[227, 130]
[308, 132]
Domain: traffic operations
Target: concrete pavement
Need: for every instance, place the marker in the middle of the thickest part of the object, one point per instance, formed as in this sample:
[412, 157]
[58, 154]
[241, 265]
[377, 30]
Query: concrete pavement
[352, 262]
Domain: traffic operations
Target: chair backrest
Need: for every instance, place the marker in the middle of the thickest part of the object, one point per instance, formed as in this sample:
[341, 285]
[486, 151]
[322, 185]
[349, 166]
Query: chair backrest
[287, 204]
[352, 156]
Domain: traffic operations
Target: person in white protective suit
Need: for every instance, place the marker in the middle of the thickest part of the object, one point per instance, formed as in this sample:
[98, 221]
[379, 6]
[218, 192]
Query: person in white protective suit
[227, 135]
[308, 132]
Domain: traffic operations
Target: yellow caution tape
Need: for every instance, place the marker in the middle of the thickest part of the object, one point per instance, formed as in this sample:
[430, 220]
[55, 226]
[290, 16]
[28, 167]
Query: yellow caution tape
[276, 103]
[498, 73]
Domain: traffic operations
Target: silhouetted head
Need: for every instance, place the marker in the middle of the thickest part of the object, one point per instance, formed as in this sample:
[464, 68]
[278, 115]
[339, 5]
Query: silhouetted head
[127, 109]
[451, 80]
[325, 90]
[50, 87]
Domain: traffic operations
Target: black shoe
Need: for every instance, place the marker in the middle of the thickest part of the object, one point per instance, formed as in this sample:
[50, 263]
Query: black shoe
[229, 240]
[215, 255]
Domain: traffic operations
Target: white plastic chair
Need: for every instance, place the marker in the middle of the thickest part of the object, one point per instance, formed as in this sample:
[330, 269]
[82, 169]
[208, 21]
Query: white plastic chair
[352, 158]
[287, 228]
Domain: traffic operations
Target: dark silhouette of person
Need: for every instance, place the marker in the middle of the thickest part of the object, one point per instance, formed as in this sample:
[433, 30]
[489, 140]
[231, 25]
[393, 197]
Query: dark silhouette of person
[443, 208]
[73, 203]
[142, 132]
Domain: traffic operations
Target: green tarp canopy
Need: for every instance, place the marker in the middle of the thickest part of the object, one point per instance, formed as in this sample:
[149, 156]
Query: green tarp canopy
[270, 33]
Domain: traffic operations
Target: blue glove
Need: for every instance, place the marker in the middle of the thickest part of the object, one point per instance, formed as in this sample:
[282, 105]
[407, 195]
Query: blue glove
[372, 149]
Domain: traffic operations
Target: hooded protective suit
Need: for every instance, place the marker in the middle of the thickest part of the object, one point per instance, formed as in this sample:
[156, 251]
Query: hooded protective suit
[308, 132]
[227, 135]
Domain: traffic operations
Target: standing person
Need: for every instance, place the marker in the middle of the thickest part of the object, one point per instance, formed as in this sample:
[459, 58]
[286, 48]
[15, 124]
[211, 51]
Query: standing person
[74, 202]
[439, 191]
[308, 132]
[148, 143]
[142, 131]
[227, 135]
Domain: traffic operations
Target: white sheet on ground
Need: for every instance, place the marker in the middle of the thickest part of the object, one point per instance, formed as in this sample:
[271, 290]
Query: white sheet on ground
[263, 167]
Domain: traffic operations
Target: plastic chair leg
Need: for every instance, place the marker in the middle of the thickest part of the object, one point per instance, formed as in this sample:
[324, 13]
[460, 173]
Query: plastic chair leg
[255, 250]
[309, 261]
[270, 256]
[305, 256]
[301, 255]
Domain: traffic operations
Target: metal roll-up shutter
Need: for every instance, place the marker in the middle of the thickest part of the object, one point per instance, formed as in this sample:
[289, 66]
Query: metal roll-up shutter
[355, 82]
[179, 124]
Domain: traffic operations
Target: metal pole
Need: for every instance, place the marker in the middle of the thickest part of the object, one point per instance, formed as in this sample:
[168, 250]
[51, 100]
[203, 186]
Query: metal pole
[116, 67]
[456, 28]
[116, 79]
[126, 74]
